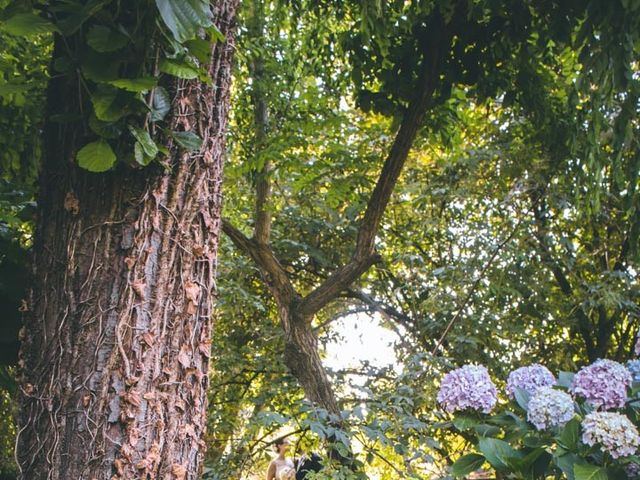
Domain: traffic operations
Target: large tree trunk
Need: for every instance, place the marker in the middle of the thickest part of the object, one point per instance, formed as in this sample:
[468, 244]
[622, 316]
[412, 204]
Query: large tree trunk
[117, 338]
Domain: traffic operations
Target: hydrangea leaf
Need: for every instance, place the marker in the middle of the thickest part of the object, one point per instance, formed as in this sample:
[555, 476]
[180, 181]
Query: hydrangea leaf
[467, 464]
[589, 472]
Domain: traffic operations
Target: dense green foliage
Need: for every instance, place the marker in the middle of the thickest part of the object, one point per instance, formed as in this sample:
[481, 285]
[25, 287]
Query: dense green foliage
[512, 235]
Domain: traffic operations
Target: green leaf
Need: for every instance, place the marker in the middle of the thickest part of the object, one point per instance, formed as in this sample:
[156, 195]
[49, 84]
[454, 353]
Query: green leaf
[484, 430]
[589, 472]
[201, 49]
[565, 379]
[104, 129]
[216, 35]
[25, 24]
[140, 156]
[522, 397]
[100, 68]
[179, 69]
[497, 452]
[161, 104]
[105, 39]
[13, 88]
[108, 105]
[566, 463]
[467, 464]
[464, 422]
[570, 435]
[187, 140]
[184, 17]
[143, 84]
[142, 136]
[73, 22]
[96, 157]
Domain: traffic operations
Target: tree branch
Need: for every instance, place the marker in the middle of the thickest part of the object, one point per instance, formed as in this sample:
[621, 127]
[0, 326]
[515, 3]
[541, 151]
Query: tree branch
[477, 281]
[262, 215]
[273, 273]
[364, 254]
[584, 324]
[389, 313]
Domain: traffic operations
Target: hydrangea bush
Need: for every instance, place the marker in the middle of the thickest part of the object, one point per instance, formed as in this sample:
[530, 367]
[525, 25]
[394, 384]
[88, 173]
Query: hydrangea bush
[581, 426]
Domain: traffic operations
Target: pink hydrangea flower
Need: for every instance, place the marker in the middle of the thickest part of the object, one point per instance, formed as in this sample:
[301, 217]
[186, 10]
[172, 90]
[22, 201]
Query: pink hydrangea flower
[603, 384]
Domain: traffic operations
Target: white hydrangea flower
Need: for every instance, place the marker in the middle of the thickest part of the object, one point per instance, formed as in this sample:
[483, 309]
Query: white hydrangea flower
[614, 432]
[549, 408]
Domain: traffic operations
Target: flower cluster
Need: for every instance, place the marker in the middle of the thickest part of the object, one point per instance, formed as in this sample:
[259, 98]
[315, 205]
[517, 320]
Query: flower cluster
[529, 378]
[634, 367]
[603, 384]
[550, 408]
[469, 387]
[614, 432]
[633, 471]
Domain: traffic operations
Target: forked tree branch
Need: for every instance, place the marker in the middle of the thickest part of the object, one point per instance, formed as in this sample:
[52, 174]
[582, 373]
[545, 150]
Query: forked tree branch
[274, 274]
[364, 254]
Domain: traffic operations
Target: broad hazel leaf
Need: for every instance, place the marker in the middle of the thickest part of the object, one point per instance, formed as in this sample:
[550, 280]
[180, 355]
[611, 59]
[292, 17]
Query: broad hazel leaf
[161, 104]
[108, 105]
[105, 39]
[25, 24]
[187, 140]
[184, 17]
[467, 464]
[136, 85]
[96, 157]
[146, 142]
[179, 69]
[140, 156]
[201, 49]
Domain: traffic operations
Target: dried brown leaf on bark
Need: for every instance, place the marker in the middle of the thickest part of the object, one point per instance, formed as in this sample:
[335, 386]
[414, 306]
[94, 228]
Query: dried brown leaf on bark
[138, 287]
[184, 357]
[71, 203]
[129, 262]
[178, 471]
[133, 398]
[148, 338]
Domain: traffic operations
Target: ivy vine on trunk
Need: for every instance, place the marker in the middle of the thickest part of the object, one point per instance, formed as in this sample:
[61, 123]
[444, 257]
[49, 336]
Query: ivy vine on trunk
[117, 334]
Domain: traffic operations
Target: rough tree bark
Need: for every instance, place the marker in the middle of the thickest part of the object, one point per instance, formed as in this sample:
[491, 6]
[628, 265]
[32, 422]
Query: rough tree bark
[116, 345]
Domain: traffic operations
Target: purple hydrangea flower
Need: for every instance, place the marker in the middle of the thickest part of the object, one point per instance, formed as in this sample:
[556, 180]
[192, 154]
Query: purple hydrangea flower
[529, 378]
[603, 384]
[550, 408]
[634, 367]
[633, 471]
[469, 387]
[614, 432]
